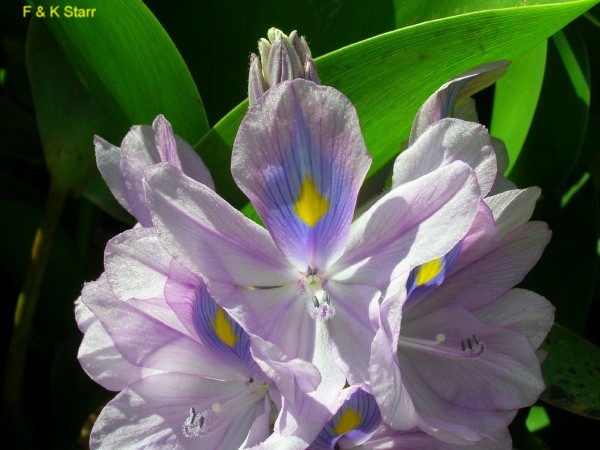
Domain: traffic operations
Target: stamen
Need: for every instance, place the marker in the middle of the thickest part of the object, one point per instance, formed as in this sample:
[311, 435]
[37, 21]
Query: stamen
[473, 344]
[201, 424]
[470, 347]
[321, 306]
[318, 302]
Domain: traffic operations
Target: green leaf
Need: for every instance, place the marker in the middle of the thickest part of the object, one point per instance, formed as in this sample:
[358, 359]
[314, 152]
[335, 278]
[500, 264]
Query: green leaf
[573, 219]
[572, 373]
[515, 100]
[409, 12]
[221, 74]
[128, 63]
[389, 76]
[537, 419]
[66, 115]
[554, 142]
[524, 439]
[590, 154]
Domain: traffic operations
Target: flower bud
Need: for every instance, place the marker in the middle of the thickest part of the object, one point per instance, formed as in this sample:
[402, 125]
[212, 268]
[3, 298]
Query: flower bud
[282, 58]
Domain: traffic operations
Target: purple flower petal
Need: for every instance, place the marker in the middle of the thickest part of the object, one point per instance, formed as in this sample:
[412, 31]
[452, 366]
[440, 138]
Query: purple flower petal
[165, 141]
[146, 341]
[480, 278]
[138, 152]
[446, 141]
[139, 418]
[524, 311]
[395, 233]
[442, 102]
[350, 328]
[353, 423]
[300, 158]
[274, 314]
[98, 355]
[512, 208]
[395, 404]
[108, 159]
[502, 183]
[136, 265]
[430, 275]
[471, 364]
[144, 146]
[187, 295]
[210, 236]
[451, 423]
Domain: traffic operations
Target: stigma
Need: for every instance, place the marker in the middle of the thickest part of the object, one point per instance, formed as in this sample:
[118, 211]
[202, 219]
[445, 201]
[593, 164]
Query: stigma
[318, 301]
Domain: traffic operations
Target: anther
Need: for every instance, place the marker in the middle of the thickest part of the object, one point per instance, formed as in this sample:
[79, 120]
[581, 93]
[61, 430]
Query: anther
[321, 306]
[315, 301]
[473, 344]
[194, 425]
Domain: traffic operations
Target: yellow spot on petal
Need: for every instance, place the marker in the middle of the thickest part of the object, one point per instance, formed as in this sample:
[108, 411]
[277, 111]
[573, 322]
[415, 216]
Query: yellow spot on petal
[311, 205]
[349, 420]
[223, 328]
[429, 271]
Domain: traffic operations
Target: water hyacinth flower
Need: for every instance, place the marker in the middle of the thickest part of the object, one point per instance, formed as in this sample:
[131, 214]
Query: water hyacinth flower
[187, 374]
[282, 58]
[457, 357]
[357, 424]
[143, 146]
[455, 352]
[306, 281]
[143, 286]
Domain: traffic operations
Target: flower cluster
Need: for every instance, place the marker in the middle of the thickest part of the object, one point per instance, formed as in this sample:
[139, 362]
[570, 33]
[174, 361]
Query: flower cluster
[397, 326]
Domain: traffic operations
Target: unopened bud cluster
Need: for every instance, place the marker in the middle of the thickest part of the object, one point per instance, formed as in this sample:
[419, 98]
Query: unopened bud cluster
[281, 58]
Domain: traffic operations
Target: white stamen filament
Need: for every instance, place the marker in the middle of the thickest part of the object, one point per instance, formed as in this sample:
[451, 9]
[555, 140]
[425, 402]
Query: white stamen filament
[203, 423]
[470, 347]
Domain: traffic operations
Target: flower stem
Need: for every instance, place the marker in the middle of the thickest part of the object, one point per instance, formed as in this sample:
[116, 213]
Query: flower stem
[27, 302]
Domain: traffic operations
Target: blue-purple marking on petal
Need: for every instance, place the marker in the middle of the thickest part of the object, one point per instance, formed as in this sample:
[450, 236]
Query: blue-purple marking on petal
[420, 283]
[357, 417]
[451, 94]
[220, 332]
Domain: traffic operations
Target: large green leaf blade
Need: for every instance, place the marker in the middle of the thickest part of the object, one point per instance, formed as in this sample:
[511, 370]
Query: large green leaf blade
[571, 254]
[129, 64]
[409, 12]
[67, 116]
[389, 76]
[515, 100]
[221, 74]
[572, 373]
[554, 142]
